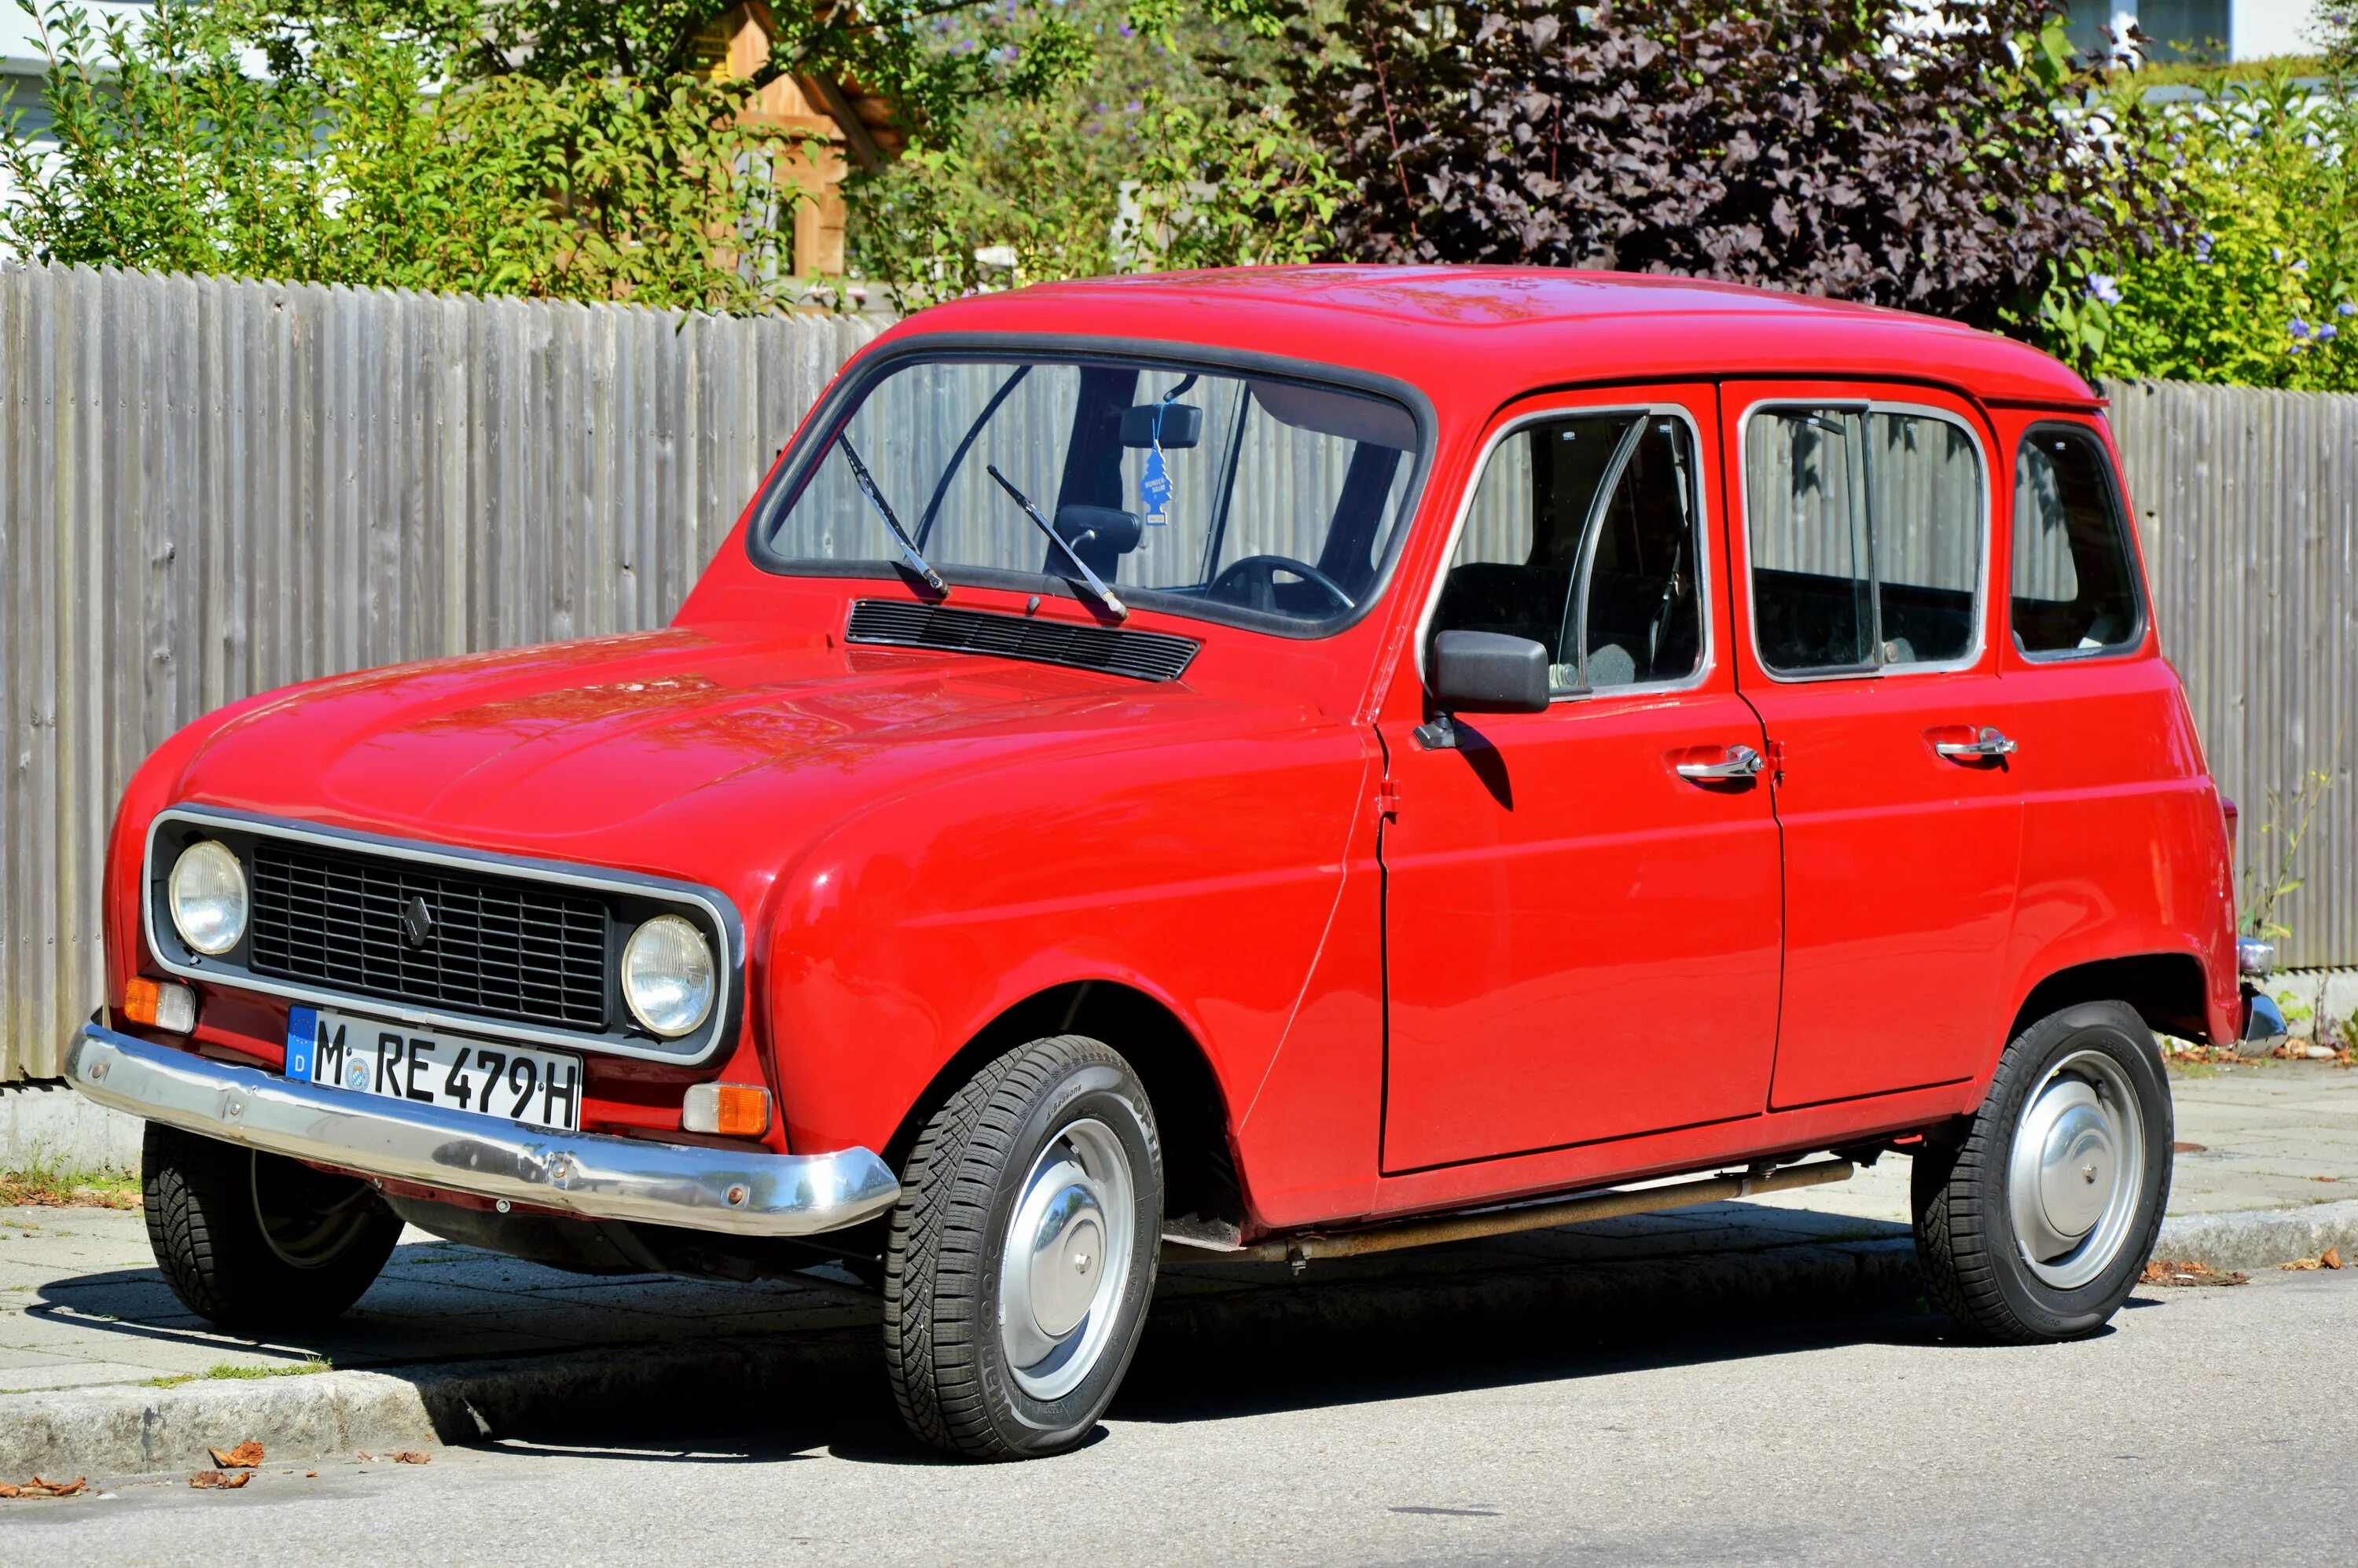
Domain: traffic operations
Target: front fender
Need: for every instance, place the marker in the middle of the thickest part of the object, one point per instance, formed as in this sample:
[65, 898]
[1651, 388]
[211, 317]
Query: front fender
[1202, 875]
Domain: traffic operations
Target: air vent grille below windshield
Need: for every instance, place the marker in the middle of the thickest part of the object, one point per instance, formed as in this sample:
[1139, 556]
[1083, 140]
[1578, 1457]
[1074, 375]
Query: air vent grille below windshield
[1145, 655]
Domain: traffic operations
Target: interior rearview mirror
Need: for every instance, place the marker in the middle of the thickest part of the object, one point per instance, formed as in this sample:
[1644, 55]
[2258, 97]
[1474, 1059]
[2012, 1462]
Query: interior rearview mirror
[1173, 426]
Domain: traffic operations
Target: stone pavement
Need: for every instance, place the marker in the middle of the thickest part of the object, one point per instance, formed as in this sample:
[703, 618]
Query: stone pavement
[2268, 1135]
[101, 1370]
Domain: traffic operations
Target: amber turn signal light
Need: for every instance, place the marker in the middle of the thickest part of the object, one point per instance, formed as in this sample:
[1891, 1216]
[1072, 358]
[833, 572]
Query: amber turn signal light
[733, 1110]
[160, 1005]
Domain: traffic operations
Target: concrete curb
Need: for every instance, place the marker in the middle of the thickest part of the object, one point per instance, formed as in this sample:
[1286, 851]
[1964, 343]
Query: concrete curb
[127, 1432]
[2261, 1238]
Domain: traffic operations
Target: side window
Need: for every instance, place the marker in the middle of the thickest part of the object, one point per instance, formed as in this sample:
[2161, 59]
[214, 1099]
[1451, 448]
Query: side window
[1583, 535]
[2074, 580]
[1865, 538]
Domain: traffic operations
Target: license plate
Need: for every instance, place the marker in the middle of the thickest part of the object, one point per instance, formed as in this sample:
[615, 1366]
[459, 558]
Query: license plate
[369, 1056]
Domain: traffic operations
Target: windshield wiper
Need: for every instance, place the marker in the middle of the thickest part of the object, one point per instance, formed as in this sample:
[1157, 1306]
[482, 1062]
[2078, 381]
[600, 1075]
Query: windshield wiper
[918, 563]
[1097, 584]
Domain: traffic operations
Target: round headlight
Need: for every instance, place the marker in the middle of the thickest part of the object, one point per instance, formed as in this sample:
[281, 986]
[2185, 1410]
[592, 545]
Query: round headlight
[207, 894]
[667, 976]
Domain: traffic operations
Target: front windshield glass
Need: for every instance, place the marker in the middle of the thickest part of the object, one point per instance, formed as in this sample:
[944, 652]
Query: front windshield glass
[1215, 493]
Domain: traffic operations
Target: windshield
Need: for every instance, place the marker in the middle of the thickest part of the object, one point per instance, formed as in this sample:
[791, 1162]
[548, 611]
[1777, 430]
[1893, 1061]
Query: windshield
[1206, 491]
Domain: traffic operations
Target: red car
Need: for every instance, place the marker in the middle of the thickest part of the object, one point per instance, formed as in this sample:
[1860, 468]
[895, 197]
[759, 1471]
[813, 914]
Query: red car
[1267, 763]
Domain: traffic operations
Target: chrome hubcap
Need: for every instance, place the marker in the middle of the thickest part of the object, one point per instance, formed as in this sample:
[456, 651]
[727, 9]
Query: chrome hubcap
[2075, 1169]
[1066, 1258]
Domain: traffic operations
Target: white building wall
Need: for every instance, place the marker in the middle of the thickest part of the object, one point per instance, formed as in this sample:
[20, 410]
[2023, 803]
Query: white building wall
[2265, 27]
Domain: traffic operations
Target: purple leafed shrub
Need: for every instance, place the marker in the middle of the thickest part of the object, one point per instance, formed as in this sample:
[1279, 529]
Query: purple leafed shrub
[1864, 150]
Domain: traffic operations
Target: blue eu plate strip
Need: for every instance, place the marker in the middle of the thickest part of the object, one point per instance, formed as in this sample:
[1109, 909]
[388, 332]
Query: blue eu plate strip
[302, 1034]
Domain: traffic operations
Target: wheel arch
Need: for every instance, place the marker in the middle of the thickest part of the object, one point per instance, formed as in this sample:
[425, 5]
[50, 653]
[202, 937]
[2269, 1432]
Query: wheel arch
[2168, 990]
[1200, 1173]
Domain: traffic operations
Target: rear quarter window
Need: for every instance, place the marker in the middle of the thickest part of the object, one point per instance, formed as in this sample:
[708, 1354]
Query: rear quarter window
[2075, 581]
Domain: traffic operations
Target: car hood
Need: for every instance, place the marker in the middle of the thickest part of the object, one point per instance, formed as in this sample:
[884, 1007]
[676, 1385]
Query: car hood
[657, 749]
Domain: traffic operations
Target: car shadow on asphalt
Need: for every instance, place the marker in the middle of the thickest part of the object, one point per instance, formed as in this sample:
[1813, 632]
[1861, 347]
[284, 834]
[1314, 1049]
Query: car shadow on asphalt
[1225, 1340]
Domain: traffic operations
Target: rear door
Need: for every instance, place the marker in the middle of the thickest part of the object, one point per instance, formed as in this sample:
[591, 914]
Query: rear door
[1582, 941]
[1863, 544]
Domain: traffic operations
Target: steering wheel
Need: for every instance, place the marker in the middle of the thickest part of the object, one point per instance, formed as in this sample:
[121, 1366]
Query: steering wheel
[1251, 581]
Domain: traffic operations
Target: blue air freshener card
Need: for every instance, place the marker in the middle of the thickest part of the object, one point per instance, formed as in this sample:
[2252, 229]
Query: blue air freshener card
[302, 1034]
[1154, 488]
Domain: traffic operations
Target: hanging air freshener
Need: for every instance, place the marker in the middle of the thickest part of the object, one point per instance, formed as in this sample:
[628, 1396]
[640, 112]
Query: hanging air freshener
[1154, 485]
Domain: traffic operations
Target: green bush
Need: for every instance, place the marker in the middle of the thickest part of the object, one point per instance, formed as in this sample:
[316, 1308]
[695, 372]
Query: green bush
[2258, 285]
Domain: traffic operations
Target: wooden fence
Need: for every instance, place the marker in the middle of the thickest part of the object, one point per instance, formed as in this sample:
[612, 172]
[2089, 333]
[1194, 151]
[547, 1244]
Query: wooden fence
[210, 488]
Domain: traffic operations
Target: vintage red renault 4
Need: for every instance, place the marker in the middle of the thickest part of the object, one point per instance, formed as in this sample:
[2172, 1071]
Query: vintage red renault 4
[1273, 762]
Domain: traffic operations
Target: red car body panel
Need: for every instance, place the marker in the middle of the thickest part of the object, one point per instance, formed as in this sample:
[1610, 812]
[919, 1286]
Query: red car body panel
[917, 842]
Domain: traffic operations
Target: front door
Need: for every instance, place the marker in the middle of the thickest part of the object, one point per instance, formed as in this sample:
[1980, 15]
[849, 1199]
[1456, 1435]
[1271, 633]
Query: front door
[1863, 539]
[1580, 939]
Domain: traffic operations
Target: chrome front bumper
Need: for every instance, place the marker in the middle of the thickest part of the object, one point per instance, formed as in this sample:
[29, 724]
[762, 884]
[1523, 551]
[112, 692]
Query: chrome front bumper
[585, 1174]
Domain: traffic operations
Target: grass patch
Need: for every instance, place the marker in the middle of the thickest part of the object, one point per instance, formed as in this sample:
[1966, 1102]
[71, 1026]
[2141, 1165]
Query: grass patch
[2212, 75]
[51, 1186]
[231, 1370]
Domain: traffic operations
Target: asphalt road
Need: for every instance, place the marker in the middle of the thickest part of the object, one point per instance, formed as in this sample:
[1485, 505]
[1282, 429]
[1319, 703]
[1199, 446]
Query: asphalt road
[2208, 1425]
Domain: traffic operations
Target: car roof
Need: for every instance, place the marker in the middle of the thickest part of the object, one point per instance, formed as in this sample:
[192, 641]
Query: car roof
[1471, 335]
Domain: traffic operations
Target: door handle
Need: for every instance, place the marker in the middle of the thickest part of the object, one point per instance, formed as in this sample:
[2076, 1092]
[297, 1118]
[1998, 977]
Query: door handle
[1743, 762]
[1989, 745]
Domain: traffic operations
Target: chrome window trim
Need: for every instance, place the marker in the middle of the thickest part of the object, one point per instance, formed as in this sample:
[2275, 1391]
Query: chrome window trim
[1864, 407]
[720, 918]
[2126, 529]
[1706, 650]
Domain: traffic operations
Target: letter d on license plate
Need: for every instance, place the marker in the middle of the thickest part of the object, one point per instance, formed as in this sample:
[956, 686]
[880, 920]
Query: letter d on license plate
[369, 1056]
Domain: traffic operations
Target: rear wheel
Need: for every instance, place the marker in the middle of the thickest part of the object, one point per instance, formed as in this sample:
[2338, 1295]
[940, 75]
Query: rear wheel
[253, 1240]
[1023, 1252]
[2035, 1221]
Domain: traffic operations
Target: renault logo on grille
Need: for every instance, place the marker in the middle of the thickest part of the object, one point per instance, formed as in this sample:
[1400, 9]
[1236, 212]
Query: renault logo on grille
[417, 921]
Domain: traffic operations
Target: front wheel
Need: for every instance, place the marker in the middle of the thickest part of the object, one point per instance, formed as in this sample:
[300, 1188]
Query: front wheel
[257, 1242]
[2035, 1221]
[1023, 1252]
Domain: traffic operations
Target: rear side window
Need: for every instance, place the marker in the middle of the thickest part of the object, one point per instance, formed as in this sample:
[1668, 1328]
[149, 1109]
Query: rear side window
[1583, 535]
[1865, 538]
[2075, 586]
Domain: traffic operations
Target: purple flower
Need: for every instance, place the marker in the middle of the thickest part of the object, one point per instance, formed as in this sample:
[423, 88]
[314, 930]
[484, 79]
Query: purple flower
[2327, 332]
[2345, 309]
[2299, 328]
[2203, 243]
[2104, 288]
[1127, 31]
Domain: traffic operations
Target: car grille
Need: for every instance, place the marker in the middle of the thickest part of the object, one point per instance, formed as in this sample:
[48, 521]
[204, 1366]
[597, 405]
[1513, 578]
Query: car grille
[504, 947]
[1147, 656]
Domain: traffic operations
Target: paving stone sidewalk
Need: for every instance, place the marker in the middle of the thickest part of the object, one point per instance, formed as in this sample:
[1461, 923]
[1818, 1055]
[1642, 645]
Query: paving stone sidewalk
[102, 1368]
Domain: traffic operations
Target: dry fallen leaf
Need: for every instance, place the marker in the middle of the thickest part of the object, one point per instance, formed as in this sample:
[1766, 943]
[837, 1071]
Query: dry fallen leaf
[215, 1479]
[411, 1456]
[2298, 1264]
[2189, 1271]
[38, 1487]
[310, 1474]
[2331, 1257]
[365, 1458]
[244, 1457]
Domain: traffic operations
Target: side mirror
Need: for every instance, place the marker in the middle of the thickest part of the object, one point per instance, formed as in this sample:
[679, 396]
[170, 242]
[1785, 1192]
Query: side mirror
[1483, 672]
[1488, 672]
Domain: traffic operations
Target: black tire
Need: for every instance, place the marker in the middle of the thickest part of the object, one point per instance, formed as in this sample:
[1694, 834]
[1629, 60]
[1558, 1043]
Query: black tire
[257, 1241]
[945, 1347]
[1976, 1262]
